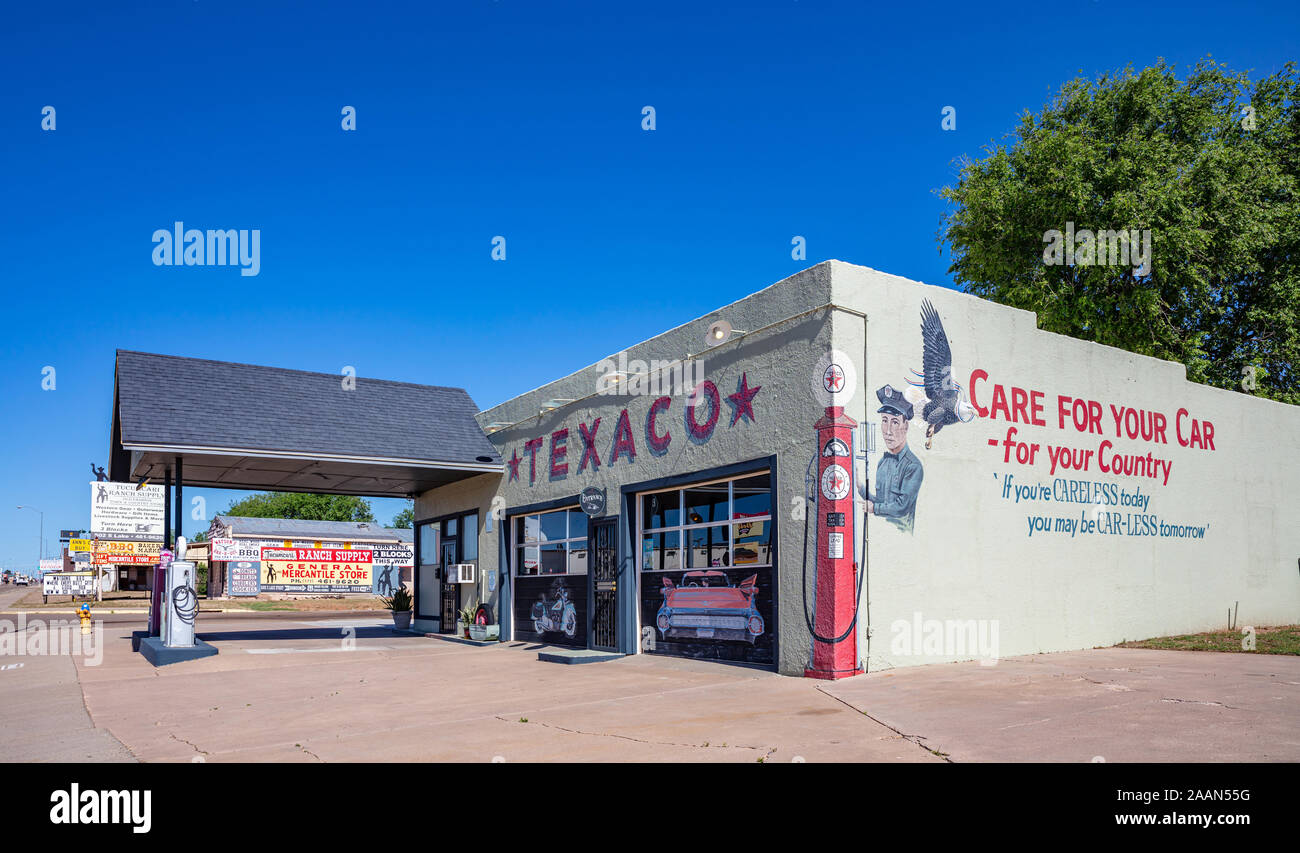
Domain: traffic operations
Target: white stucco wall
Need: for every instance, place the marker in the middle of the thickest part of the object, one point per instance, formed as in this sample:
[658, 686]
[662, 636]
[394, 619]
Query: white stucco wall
[971, 555]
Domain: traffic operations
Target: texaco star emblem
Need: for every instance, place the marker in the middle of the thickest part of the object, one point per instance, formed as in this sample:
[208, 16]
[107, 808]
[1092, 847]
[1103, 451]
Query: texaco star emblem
[833, 378]
[835, 483]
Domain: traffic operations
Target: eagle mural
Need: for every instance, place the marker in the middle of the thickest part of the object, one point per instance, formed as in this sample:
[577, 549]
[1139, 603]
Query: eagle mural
[943, 401]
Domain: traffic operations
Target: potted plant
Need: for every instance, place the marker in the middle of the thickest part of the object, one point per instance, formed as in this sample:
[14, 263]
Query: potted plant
[467, 618]
[400, 603]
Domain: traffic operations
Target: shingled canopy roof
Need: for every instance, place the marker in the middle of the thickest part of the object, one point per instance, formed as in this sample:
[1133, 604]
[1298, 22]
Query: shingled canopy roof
[242, 426]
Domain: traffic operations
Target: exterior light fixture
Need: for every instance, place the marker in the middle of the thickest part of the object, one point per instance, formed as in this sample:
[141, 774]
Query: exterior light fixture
[496, 425]
[719, 332]
[554, 404]
[144, 481]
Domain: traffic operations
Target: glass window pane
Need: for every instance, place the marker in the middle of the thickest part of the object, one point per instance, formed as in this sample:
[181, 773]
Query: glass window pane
[428, 544]
[449, 527]
[430, 593]
[660, 551]
[753, 543]
[706, 503]
[526, 561]
[553, 526]
[527, 529]
[553, 558]
[754, 496]
[578, 557]
[661, 509]
[469, 538]
[707, 547]
[577, 524]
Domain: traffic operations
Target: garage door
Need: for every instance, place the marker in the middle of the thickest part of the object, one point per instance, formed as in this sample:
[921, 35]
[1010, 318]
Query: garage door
[707, 570]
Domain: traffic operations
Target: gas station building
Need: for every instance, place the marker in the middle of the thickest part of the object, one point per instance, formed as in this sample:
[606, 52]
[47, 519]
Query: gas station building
[844, 471]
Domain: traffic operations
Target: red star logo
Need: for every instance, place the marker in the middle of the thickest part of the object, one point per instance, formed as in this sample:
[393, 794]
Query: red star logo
[742, 401]
[833, 379]
[837, 482]
[513, 462]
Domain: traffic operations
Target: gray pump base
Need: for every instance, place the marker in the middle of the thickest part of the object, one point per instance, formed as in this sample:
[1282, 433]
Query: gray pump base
[159, 655]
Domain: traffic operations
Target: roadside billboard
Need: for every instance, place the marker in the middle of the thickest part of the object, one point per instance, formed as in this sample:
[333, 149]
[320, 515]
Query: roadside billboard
[243, 577]
[400, 554]
[121, 510]
[113, 553]
[69, 583]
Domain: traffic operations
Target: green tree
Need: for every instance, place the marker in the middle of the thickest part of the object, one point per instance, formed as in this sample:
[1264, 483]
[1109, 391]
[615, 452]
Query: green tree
[304, 506]
[404, 519]
[1210, 164]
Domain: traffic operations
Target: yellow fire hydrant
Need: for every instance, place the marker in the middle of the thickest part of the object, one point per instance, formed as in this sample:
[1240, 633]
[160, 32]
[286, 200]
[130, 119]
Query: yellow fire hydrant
[83, 613]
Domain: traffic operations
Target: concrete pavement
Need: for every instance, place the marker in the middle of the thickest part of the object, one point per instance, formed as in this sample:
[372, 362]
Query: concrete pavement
[300, 693]
[1122, 705]
[44, 715]
[317, 687]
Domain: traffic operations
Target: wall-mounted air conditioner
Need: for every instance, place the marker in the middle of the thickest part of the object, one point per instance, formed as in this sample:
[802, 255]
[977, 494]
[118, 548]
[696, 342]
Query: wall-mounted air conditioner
[462, 573]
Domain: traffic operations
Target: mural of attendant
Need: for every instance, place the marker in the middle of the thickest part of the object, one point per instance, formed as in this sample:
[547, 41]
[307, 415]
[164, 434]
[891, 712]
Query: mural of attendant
[899, 472]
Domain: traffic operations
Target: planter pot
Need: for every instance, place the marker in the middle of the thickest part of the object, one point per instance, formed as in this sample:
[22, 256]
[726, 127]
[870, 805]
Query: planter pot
[483, 633]
[401, 619]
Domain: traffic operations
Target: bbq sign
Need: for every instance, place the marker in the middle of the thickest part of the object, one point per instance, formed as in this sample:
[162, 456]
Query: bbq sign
[316, 570]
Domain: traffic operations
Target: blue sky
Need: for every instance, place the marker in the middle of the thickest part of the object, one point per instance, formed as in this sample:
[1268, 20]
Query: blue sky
[477, 119]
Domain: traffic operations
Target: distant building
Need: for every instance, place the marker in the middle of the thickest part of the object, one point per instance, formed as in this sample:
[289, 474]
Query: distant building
[291, 558]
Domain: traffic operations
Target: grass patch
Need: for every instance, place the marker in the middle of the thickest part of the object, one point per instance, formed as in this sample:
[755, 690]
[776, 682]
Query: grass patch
[268, 605]
[1280, 640]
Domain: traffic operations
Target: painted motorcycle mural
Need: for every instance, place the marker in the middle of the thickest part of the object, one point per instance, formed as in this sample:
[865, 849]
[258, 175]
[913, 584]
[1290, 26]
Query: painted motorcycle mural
[707, 606]
[557, 613]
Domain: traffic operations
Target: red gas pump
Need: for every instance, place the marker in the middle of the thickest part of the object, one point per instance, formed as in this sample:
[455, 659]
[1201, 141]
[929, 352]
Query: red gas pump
[835, 643]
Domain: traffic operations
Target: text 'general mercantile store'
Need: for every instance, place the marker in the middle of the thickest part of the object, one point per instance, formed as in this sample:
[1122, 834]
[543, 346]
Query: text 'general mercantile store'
[851, 471]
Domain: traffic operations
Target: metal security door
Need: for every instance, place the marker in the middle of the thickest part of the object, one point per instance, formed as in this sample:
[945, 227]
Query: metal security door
[450, 588]
[604, 586]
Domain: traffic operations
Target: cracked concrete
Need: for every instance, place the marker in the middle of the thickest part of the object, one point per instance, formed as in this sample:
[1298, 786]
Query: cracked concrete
[411, 698]
[1119, 704]
[399, 698]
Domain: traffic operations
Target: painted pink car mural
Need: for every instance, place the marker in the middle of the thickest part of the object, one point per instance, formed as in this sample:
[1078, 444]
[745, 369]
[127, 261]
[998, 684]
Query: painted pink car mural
[707, 606]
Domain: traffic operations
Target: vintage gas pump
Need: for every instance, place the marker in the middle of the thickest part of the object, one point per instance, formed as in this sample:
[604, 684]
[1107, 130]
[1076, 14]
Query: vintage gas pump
[835, 605]
[182, 604]
[835, 648]
[157, 592]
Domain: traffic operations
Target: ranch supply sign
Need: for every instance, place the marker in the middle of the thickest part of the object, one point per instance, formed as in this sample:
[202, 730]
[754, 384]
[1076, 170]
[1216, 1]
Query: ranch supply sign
[316, 570]
[121, 511]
